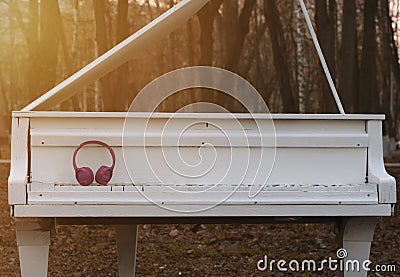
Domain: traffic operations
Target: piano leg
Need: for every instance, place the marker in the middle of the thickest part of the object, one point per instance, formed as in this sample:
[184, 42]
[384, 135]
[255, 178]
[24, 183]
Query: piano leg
[355, 236]
[33, 240]
[126, 249]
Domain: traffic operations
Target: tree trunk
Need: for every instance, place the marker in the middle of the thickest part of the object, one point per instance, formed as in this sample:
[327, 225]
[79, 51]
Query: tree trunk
[5, 107]
[279, 54]
[230, 13]
[33, 43]
[348, 56]
[387, 67]
[73, 102]
[325, 11]
[43, 50]
[368, 96]
[191, 42]
[394, 60]
[122, 88]
[172, 45]
[241, 30]
[301, 61]
[206, 20]
[107, 93]
[49, 41]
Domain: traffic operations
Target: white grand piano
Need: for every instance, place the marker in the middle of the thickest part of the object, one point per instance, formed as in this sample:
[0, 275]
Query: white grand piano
[314, 167]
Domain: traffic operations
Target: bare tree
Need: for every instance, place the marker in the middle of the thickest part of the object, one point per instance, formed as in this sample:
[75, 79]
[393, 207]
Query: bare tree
[279, 51]
[368, 96]
[206, 18]
[103, 41]
[230, 13]
[242, 29]
[121, 86]
[301, 61]
[390, 80]
[348, 65]
[325, 18]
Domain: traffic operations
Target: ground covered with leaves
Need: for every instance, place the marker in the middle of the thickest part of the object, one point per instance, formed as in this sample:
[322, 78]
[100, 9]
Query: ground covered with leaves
[193, 250]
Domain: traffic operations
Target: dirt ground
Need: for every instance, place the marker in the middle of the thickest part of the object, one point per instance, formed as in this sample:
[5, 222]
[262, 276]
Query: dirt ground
[192, 250]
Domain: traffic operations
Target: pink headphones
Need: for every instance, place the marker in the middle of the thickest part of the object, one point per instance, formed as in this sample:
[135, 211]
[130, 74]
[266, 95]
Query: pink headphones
[84, 175]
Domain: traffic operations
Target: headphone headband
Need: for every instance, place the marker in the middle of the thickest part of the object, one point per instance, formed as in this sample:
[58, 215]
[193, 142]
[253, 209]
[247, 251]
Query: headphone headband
[93, 142]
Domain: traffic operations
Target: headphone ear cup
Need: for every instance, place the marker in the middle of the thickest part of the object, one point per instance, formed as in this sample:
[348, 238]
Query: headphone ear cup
[84, 176]
[103, 175]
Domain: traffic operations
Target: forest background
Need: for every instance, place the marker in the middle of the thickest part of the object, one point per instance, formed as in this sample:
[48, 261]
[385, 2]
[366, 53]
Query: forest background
[42, 42]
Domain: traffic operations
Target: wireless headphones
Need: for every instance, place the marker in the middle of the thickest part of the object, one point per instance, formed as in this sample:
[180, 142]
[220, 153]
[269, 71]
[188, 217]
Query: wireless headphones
[84, 175]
